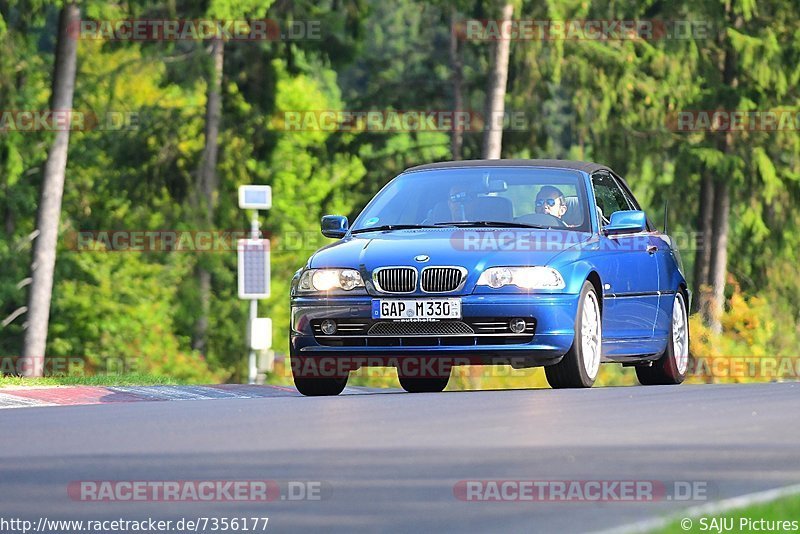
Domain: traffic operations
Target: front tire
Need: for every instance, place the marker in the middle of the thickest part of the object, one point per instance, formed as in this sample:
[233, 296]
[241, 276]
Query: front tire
[672, 366]
[424, 378]
[424, 385]
[579, 367]
[311, 384]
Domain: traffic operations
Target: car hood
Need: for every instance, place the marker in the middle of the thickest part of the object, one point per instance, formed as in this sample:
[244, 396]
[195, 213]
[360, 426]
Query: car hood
[474, 249]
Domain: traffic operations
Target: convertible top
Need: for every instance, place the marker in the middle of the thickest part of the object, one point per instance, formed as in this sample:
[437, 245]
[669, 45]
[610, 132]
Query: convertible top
[585, 166]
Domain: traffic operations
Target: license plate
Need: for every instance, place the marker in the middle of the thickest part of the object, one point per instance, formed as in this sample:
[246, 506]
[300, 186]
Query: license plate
[416, 309]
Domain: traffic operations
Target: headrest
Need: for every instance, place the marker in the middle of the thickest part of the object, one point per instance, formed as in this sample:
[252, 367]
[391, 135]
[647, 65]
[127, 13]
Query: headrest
[485, 208]
[574, 214]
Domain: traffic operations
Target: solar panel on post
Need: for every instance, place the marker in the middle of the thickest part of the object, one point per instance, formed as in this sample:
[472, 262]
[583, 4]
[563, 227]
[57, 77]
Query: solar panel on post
[253, 260]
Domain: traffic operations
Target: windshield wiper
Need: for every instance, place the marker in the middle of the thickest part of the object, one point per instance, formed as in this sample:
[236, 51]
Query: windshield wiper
[499, 224]
[392, 227]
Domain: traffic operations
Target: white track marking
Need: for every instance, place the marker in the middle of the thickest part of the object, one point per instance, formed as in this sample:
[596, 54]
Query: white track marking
[15, 401]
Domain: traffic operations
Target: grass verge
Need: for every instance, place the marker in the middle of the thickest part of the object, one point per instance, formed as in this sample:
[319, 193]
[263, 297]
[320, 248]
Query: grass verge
[780, 515]
[131, 379]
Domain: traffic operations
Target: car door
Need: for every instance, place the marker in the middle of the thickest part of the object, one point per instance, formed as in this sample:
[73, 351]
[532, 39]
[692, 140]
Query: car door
[660, 245]
[628, 267]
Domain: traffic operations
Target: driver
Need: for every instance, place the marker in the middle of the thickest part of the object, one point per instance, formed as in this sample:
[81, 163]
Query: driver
[550, 200]
[456, 200]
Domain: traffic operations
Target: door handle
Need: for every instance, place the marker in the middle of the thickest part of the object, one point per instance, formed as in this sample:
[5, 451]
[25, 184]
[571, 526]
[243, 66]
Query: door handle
[652, 249]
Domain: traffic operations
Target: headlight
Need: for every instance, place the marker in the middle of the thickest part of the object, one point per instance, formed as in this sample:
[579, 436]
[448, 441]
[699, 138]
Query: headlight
[524, 277]
[328, 279]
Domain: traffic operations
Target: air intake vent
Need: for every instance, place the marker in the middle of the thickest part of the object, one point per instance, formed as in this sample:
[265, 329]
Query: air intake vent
[442, 279]
[424, 328]
[396, 279]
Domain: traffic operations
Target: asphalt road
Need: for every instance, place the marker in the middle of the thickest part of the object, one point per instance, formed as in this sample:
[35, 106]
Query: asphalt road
[390, 461]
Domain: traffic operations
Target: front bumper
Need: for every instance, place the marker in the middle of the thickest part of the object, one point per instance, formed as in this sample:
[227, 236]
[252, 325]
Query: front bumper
[548, 336]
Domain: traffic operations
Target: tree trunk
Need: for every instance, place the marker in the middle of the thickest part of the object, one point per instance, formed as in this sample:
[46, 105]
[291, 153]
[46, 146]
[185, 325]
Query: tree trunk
[718, 264]
[495, 96]
[722, 200]
[702, 262]
[200, 341]
[719, 254]
[208, 166]
[457, 66]
[208, 183]
[44, 246]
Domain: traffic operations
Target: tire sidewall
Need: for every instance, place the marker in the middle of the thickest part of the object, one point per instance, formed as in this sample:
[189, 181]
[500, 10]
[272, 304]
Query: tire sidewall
[578, 342]
[670, 360]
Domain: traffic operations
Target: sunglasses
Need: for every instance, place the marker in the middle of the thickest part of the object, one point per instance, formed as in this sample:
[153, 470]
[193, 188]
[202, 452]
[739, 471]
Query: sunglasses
[549, 202]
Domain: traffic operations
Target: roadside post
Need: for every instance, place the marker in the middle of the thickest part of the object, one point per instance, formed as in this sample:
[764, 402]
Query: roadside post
[253, 257]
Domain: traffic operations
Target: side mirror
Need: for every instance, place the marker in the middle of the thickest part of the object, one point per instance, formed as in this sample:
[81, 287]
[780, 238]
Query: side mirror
[626, 222]
[334, 226]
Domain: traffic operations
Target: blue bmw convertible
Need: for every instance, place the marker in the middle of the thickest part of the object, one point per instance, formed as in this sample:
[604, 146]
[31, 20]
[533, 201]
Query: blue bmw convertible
[493, 262]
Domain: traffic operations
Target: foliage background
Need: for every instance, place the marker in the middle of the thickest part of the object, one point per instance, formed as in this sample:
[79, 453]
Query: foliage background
[608, 101]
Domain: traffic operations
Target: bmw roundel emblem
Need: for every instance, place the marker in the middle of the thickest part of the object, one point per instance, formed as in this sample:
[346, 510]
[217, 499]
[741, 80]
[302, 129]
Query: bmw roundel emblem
[422, 258]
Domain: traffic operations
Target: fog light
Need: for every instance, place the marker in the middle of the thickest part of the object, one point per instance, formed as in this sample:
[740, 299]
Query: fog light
[328, 326]
[517, 325]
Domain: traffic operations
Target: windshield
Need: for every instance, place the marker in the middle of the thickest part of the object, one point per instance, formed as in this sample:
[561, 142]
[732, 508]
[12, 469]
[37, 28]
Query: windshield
[480, 196]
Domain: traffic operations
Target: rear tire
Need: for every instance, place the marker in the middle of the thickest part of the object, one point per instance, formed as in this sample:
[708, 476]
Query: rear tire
[579, 367]
[312, 385]
[672, 366]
